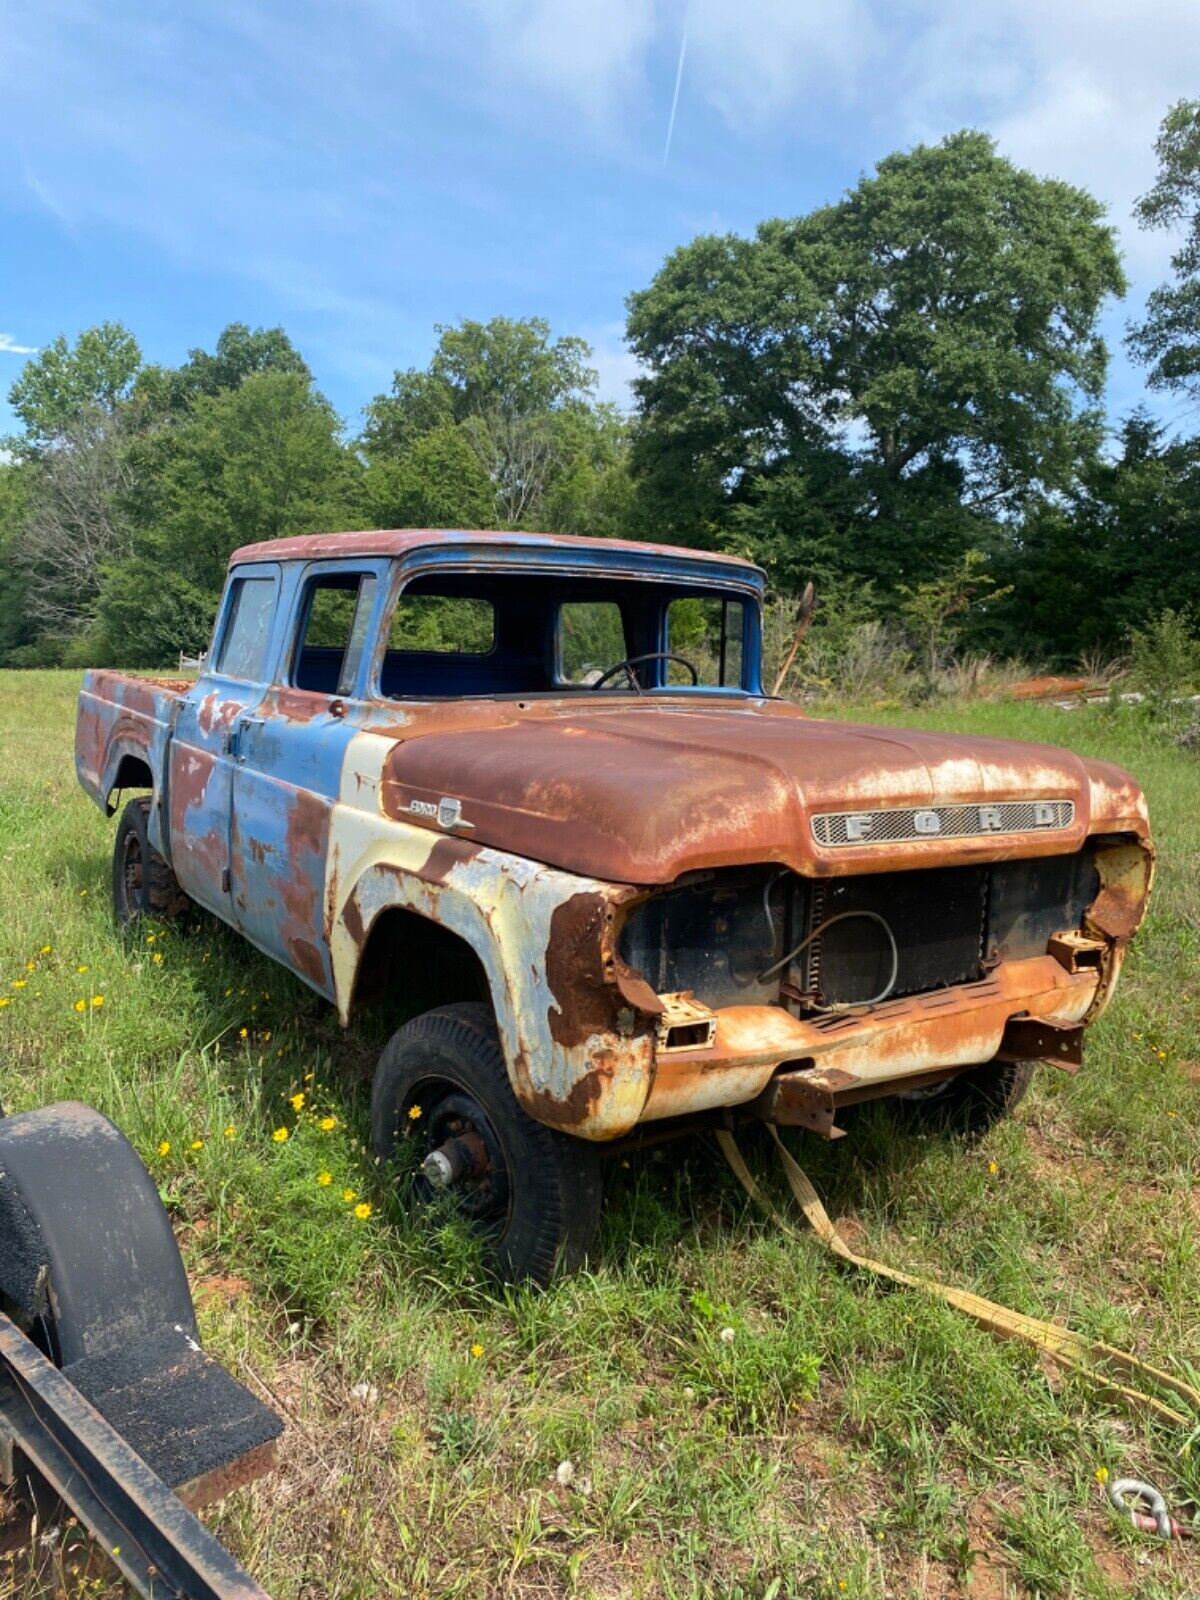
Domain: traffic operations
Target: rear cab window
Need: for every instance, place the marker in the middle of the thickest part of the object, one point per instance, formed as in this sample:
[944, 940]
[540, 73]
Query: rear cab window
[246, 636]
[334, 624]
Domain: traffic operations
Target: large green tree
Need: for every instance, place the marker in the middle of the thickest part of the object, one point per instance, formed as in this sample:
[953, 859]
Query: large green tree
[66, 384]
[1089, 566]
[916, 352]
[502, 427]
[1168, 338]
[261, 460]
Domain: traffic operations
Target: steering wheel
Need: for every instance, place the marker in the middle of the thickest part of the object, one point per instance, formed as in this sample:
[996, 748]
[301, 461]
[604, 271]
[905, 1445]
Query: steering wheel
[630, 662]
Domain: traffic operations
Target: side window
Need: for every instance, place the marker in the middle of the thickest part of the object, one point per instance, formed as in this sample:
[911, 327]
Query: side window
[708, 632]
[248, 629]
[336, 614]
[591, 638]
[442, 623]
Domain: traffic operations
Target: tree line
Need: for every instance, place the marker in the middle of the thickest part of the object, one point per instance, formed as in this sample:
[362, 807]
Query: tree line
[897, 396]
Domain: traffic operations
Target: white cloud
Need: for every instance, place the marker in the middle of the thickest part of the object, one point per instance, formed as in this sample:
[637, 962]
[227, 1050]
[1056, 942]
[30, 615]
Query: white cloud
[755, 60]
[1073, 88]
[589, 52]
[10, 347]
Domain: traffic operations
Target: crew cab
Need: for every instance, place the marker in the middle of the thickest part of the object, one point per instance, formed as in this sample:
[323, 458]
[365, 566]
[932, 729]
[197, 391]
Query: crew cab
[534, 783]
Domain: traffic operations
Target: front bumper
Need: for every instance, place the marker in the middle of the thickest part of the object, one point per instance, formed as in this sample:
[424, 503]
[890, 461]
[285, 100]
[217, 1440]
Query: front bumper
[898, 1041]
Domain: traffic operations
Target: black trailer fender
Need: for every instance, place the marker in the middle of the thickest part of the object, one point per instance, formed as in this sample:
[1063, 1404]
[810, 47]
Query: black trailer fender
[90, 1264]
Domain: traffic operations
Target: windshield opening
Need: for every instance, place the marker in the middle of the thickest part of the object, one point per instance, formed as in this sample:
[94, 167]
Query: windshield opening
[502, 634]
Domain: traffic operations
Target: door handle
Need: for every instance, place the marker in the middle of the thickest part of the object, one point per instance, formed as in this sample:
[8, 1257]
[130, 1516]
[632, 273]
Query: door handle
[233, 740]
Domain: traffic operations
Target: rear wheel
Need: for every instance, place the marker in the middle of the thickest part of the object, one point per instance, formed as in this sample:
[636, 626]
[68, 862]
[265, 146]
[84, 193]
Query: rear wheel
[971, 1101]
[143, 884]
[531, 1193]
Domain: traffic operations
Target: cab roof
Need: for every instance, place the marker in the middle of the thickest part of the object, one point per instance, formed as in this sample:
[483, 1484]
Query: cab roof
[403, 541]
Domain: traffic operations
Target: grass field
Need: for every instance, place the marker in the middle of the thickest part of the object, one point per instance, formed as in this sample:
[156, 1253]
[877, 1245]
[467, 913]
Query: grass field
[848, 1440]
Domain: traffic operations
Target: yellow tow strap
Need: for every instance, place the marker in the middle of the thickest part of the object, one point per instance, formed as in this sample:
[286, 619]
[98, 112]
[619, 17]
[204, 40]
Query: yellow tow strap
[1101, 1364]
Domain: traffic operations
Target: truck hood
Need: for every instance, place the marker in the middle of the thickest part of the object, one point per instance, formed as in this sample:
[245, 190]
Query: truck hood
[639, 793]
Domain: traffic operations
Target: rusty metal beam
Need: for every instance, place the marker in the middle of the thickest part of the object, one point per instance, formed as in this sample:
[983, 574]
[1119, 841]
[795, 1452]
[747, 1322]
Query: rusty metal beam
[156, 1542]
[1028, 1039]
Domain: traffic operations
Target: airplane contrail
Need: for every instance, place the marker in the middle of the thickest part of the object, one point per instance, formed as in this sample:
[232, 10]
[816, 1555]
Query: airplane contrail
[678, 81]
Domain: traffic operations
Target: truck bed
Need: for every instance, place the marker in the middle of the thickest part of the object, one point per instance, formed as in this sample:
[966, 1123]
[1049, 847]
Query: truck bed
[121, 730]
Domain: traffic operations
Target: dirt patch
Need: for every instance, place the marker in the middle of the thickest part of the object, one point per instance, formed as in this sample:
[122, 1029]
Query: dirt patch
[226, 1287]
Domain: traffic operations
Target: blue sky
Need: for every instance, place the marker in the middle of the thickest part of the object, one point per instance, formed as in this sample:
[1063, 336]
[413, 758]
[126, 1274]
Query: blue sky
[360, 171]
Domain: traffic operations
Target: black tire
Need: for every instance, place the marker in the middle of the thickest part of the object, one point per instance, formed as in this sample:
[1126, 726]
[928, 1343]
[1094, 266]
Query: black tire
[972, 1101]
[143, 884]
[536, 1203]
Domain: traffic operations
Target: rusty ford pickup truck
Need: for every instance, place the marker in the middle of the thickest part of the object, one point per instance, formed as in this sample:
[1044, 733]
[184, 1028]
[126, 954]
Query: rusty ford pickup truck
[534, 784]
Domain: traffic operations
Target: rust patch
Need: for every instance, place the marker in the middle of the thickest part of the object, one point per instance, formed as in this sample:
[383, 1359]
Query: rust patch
[578, 1105]
[1126, 871]
[308, 960]
[352, 917]
[217, 712]
[575, 970]
[448, 853]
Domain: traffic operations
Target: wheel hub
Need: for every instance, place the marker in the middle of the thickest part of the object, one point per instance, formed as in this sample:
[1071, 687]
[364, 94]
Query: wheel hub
[464, 1157]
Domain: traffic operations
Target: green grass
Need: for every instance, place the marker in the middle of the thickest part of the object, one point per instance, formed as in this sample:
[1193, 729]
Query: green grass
[849, 1440]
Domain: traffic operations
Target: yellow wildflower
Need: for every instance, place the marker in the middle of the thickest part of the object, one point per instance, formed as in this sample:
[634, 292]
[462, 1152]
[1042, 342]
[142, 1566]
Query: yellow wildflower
[197, 1144]
[298, 1101]
[45, 950]
[231, 1132]
[414, 1113]
[280, 1136]
[81, 1005]
[31, 966]
[477, 1350]
[97, 1000]
[20, 983]
[324, 1179]
[993, 1167]
[84, 968]
[362, 1211]
[164, 1148]
[6, 1000]
[327, 1124]
[158, 956]
[150, 938]
[243, 1033]
[349, 1195]
[1101, 1474]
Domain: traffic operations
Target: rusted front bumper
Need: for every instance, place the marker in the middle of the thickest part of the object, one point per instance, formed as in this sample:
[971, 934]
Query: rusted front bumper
[899, 1041]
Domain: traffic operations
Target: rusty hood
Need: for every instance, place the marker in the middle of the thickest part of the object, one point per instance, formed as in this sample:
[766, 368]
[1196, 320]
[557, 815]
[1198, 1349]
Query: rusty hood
[638, 793]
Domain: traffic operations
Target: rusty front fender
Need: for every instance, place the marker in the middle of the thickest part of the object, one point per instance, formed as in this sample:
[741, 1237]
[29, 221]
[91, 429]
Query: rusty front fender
[579, 1050]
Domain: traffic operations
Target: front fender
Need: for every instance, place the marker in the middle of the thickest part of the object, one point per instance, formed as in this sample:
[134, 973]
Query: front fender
[575, 1025]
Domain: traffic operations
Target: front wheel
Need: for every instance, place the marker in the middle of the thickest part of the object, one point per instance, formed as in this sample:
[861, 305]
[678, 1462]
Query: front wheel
[531, 1193]
[143, 884]
[971, 1101]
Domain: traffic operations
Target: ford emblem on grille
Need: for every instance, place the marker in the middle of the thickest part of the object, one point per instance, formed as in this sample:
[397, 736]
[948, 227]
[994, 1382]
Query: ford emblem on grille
[895, 826]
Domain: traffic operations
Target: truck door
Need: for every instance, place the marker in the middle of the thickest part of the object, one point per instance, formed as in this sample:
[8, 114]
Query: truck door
[288, 770]
[203, 742]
